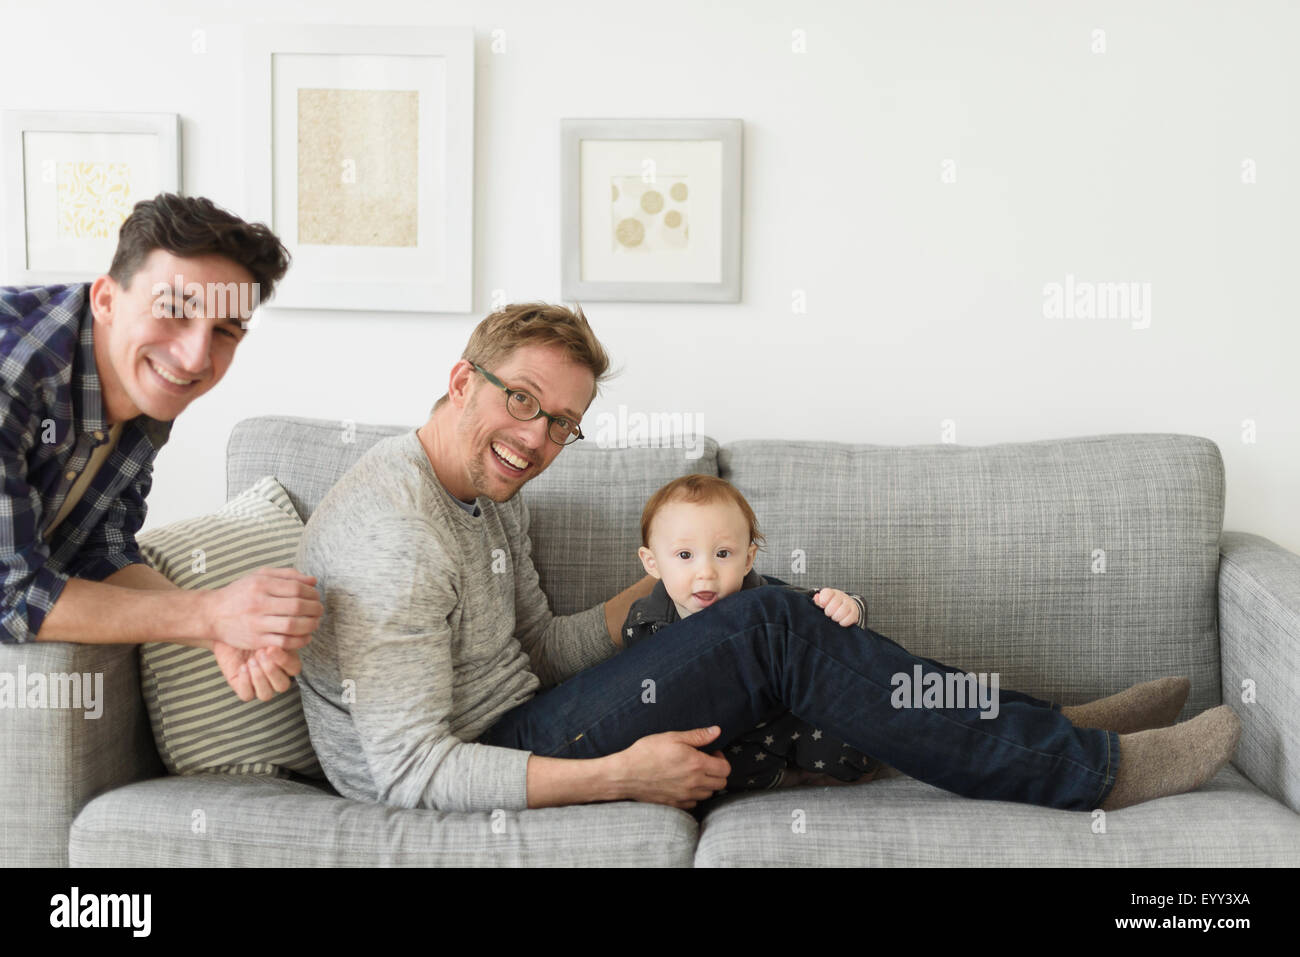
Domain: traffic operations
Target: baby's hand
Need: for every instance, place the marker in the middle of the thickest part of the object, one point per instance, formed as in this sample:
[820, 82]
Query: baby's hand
[838, 606]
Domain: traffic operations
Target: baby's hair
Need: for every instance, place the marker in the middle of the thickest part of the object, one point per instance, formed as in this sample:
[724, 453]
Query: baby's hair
[698, 489]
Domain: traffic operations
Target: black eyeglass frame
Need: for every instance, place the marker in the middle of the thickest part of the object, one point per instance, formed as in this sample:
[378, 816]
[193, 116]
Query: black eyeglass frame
[553, 421]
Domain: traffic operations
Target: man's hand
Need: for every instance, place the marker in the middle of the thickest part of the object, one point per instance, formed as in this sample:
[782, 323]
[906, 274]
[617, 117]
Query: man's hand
[838, 606]
[668, 769]
[264, 672]
[271, 607]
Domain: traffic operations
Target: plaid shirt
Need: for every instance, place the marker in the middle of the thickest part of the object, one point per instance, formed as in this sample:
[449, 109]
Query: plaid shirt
[51, 420]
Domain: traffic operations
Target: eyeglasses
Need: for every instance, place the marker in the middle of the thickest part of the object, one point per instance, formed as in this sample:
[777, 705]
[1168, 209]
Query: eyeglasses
[525, 407]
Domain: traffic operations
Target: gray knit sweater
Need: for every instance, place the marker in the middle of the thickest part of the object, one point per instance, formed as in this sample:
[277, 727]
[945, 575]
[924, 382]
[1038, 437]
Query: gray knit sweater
[434, 627]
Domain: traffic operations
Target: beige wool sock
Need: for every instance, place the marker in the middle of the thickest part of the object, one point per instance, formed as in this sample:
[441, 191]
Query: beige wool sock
[1165, 761]
[1151, 704]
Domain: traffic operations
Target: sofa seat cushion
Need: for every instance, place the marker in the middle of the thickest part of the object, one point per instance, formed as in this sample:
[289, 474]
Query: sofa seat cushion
[901, 822]
[206, 820]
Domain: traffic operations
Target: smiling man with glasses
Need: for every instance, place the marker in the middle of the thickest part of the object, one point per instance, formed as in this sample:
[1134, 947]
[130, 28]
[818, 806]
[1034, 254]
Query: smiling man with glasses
[444, 627]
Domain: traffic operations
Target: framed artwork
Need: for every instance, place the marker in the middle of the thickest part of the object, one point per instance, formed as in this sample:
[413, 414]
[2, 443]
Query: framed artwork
[72, 178]
[361, 159]
[651, 210]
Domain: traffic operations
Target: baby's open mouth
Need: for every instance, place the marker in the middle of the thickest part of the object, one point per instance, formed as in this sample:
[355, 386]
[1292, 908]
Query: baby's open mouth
[704, 597]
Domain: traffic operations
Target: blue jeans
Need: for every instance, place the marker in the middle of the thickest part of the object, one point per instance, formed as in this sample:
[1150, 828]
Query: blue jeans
[764, 650]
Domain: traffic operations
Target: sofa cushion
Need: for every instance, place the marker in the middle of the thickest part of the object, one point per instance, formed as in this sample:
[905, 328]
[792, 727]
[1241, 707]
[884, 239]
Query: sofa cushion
[585, 509]
[306, 456]
[199, 723]
[991, 558]
[57, 759]
[901, 822]
[223, 821]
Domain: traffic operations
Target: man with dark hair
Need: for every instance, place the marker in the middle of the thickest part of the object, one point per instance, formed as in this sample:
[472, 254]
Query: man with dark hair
[91, 377]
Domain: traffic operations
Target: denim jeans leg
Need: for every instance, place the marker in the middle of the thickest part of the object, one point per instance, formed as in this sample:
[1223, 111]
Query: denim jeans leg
[765, 649]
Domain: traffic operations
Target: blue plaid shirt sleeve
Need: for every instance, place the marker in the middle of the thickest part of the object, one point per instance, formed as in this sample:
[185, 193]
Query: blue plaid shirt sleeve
[30, 586]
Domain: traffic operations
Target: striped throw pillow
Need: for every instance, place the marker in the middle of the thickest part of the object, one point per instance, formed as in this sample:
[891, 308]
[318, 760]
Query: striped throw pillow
[199, 723]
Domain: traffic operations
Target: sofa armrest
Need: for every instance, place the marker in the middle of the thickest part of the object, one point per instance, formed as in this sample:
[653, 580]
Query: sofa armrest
[56, 759]
[1259, 641]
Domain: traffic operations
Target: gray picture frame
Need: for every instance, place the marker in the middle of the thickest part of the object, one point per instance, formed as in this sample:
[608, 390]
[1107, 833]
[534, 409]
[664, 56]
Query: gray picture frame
[729, 132]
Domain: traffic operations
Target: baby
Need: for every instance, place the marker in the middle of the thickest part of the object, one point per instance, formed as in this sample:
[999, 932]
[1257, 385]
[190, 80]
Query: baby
[698, 538]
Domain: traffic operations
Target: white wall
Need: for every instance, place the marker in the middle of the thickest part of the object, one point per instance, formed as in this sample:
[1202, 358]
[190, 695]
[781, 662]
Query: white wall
[924, 299]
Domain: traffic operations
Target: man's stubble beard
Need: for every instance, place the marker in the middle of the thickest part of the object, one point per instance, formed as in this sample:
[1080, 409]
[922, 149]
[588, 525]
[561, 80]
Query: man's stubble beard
[479, 479]
[478, 475]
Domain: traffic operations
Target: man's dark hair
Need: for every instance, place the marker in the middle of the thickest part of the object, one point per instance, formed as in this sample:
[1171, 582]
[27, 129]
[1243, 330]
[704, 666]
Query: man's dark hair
[192, 226]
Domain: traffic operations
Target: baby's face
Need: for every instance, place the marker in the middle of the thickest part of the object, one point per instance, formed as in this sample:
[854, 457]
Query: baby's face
[701, 552]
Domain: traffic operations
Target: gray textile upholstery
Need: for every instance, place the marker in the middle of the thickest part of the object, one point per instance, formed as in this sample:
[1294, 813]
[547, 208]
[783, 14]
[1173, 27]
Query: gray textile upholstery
[252, 820]
[982, 556]
[900, 822]
[978, 555]
[586, 517]
[1259, 622]
[54, 761]
[306, 456]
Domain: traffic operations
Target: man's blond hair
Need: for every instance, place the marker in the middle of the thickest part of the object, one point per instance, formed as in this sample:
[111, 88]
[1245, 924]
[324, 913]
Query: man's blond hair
[536, 324]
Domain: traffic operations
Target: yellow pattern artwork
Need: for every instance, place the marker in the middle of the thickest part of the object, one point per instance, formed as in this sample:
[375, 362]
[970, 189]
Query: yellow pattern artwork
[93, 199]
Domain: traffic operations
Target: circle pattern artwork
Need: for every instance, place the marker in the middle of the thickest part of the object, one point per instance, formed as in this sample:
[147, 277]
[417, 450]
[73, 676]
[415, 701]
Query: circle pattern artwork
[630, 232]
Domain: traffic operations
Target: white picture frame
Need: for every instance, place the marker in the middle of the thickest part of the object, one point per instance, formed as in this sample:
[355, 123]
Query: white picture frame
[71, 179]
[397, 104]
[651, 209]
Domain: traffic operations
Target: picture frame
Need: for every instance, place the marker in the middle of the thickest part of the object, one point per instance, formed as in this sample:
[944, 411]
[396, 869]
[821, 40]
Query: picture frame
[71, 179]
[360, 145]
[651, 209]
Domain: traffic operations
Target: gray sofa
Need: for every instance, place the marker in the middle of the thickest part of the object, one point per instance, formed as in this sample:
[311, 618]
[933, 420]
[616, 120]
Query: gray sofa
[1073, 568]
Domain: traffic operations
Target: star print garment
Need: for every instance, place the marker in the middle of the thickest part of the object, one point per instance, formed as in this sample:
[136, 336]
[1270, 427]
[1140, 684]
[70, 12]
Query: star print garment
[758, 757]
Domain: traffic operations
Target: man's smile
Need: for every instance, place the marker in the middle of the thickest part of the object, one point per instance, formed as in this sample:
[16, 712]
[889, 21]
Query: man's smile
[175, 383]
[511, 461]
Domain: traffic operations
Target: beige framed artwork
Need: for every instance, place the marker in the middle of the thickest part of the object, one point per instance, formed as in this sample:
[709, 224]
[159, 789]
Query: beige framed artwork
[361, 149]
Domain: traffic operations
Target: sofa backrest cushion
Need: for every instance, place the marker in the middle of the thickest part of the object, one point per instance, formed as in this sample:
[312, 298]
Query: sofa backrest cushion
[1072, 567]
[585, 513]
[306, 456]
